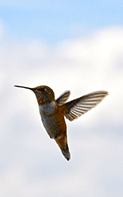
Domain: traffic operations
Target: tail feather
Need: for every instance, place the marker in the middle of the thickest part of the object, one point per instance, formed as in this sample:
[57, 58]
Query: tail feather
[62, 143]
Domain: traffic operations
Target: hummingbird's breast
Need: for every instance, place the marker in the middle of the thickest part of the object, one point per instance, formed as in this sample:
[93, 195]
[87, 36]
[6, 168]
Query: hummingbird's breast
[53, 119]
[47, 109]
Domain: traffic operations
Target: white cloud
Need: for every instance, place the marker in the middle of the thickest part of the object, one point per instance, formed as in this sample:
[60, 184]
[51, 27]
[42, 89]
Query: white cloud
[31, 163]
[1, 30]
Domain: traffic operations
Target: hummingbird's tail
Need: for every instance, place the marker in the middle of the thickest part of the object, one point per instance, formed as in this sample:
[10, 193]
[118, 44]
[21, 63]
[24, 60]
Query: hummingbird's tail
[62, 143]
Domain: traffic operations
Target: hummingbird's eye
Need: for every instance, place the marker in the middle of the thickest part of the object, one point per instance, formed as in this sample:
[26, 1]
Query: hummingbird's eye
[42, 89]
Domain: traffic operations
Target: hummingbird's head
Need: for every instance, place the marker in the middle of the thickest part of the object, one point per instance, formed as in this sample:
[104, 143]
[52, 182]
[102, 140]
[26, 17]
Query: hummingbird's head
[44, 94]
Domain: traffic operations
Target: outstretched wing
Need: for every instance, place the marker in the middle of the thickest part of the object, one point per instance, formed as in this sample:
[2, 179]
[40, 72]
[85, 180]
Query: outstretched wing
[79, 106]
[62, 99]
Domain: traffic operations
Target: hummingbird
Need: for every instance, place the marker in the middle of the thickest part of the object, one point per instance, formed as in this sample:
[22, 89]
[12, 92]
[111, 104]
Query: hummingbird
[54, 111]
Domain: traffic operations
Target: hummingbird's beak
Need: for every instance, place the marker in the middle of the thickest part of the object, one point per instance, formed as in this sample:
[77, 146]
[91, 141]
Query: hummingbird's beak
[23, 87]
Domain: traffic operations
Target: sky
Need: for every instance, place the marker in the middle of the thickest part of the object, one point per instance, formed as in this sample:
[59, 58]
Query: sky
[67, 45]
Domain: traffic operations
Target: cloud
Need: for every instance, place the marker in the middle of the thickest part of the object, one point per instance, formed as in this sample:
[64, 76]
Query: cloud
[1, 30]
[31, 163]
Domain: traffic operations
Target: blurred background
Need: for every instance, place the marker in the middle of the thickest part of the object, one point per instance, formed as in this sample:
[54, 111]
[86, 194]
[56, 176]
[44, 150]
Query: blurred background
[67, 45]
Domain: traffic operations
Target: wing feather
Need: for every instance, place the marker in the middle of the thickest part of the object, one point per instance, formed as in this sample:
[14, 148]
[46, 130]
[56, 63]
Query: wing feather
[62, 99]
[81, 105]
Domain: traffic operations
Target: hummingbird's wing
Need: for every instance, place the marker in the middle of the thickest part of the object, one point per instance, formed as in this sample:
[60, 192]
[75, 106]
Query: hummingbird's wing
[62, 99]
[81, 105]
